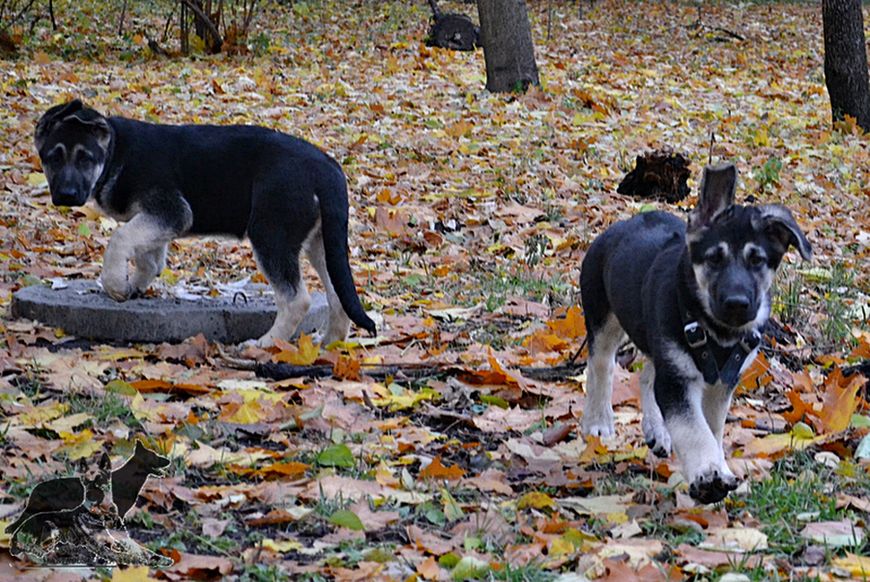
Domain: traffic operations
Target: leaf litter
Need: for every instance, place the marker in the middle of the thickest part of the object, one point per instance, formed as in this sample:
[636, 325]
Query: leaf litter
[470, 214]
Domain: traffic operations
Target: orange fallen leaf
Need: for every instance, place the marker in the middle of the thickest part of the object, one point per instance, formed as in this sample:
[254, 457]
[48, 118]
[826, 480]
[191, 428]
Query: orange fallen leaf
[799, 409]
[840, 400]
[164, 386]
[572, 326]
[429, 569]
[756, 375]
[347, 368]
[436, 470]
[290, 470]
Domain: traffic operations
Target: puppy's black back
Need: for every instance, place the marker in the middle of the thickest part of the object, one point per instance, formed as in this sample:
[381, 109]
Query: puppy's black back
[617, 264]
[217, 168]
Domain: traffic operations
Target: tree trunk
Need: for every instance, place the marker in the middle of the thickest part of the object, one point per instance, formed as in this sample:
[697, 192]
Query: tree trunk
[846, 60]
[507, 45]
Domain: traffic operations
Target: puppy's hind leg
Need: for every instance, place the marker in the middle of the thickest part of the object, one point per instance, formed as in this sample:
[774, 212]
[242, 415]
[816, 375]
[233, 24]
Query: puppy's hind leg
[291, 296]
[598, 411]
[339, 322]
[654, 430]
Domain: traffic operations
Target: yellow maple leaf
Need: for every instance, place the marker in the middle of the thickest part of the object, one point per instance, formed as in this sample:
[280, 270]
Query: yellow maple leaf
[80, 444]
[249, 412]
[41, 414]
[281, 546]
[536, 500]
[856, 565]
[133, 574]
[304, 353]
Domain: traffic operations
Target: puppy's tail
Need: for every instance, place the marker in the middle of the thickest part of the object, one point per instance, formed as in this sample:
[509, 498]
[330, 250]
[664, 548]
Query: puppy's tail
[333, 223]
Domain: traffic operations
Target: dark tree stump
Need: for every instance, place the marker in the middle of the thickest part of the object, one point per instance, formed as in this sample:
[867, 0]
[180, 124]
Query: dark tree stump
[452, 31]
[660, 174]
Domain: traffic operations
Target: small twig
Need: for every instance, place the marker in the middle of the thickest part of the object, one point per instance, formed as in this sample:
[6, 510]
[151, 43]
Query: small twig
[712, 141]
[51, 15]
[549, 18]
[727, 32]
[282, 371]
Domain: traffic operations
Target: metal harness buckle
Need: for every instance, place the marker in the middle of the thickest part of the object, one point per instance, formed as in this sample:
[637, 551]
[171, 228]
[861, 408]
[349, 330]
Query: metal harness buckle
[695, 334]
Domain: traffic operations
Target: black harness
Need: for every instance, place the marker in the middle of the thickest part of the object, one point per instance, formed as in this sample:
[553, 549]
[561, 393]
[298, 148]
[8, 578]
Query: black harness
[704, 351]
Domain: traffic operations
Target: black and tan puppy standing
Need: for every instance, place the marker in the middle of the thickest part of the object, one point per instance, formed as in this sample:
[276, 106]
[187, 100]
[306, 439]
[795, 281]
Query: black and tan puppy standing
[166, 181]
[694, 300]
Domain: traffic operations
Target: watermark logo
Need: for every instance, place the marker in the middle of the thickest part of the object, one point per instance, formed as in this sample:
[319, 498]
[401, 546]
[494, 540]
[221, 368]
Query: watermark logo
[79, 521]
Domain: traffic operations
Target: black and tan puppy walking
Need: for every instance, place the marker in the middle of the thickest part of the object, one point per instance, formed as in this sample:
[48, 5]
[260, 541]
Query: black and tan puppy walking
[694, 300]
[166, 181]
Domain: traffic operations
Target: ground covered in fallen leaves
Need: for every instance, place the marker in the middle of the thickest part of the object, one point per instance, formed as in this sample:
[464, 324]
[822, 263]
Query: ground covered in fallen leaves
[470, 216]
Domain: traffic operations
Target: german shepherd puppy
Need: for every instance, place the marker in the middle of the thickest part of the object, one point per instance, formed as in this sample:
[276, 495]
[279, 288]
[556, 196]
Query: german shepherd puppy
[694, 300]
[168, 181]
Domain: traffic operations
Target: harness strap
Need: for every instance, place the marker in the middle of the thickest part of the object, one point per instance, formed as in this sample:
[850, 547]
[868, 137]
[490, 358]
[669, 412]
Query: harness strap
[705, 360]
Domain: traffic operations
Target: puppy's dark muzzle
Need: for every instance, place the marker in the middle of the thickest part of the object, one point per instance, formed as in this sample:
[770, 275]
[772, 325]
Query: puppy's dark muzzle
[68, 198]
[737, 310]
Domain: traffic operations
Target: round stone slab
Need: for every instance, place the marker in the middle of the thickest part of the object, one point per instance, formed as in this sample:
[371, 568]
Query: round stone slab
[82, 309]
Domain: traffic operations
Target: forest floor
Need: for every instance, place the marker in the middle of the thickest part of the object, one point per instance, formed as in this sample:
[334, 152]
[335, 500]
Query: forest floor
[470, 216]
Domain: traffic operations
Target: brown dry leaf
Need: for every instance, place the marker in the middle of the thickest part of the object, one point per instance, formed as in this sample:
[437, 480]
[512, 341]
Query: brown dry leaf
[191, 566]
[429, 569]
[373, 520]
[429, 542]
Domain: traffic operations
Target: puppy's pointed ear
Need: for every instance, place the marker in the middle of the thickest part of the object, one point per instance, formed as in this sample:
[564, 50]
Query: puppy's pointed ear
[97, 124]
[52, 117]
[716, 193]
[778, 221]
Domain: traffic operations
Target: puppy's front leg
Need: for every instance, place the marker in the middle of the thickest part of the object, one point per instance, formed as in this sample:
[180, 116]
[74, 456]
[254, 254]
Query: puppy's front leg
[699, 450]
[149, 263]
[142, 234]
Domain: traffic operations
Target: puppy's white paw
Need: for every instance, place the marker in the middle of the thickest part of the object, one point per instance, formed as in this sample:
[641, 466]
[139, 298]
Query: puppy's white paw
[713, 484]
[116, 288]
[598, 425]
[657, 437]
[267, 341]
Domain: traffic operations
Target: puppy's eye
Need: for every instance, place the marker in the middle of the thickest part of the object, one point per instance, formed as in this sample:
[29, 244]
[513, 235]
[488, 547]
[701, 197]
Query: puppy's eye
[757, 260]
[84, 158]
[715, 258]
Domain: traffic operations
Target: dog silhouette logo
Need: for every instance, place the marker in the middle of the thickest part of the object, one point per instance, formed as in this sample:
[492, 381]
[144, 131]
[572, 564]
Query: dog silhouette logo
[79, 521]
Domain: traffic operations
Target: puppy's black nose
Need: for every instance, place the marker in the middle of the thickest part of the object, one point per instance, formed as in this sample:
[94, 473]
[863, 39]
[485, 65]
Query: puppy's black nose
[65, 197]
[737, 307]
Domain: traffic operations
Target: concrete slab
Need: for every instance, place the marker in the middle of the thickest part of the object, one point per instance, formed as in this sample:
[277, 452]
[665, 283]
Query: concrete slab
[83, 309]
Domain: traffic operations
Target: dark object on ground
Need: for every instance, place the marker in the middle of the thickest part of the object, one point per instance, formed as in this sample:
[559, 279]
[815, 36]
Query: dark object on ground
[91, 532]
[68, 492]
[506, 36]
[659, 174]
[452, 31]
[694, 299]
[82, 309]
[846, 60]
[280, 371]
